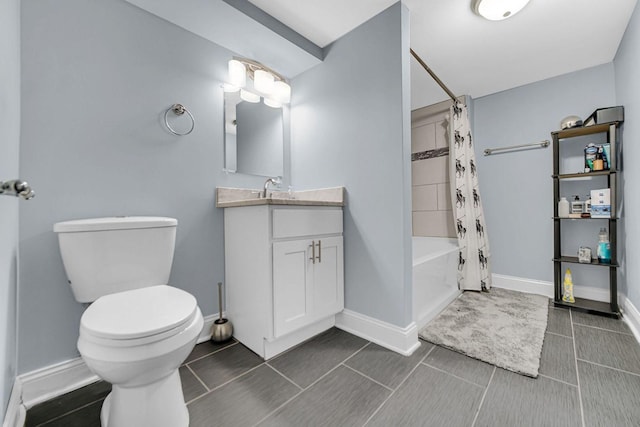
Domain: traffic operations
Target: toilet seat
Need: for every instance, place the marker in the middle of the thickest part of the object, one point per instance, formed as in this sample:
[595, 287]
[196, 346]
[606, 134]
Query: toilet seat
[137, 317]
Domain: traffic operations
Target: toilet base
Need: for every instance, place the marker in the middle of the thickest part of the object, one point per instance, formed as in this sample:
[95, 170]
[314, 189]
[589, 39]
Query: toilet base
[160, 404]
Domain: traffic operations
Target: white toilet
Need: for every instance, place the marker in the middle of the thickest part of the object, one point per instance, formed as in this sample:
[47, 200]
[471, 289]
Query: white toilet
[138, 330]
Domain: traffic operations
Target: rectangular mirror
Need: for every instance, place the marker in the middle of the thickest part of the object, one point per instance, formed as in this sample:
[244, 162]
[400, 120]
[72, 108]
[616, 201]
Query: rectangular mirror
[254, 137]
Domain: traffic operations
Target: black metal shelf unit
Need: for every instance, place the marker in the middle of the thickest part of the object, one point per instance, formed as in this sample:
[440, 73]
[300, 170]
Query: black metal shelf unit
[612, 130]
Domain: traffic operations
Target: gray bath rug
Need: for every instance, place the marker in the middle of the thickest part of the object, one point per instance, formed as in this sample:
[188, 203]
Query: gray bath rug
[501, 327]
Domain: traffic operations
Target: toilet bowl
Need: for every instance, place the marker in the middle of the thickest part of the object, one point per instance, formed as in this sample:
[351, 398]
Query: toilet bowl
[136, 340]
[138, 330]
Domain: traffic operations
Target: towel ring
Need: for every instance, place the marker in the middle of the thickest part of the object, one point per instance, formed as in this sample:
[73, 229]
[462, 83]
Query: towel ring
[178, 110]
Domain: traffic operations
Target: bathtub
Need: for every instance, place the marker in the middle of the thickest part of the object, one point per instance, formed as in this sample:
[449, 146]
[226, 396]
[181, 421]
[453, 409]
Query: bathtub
[435, 268]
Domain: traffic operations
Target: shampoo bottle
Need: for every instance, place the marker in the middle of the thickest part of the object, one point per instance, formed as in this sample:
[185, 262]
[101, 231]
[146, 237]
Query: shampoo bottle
[567, 294]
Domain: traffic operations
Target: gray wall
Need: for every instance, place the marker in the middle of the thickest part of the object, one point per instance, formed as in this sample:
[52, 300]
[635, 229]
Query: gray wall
[516, 187]
[9, 147]
[97, 78]
[350, 124]
[627, 69]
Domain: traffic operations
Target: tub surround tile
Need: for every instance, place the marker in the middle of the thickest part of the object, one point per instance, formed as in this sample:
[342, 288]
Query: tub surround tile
[218, 368]
[442, 134]
[423, 137]
[454, 404]
[444, 197]
[242, 402]
[609, 397]
[385, 366]
[342, 398]
[311, 360]
[424, 197]
[460, 365]
[620, 351]
[433, 224]
[430, 154]
[430, 171]
[516, 400]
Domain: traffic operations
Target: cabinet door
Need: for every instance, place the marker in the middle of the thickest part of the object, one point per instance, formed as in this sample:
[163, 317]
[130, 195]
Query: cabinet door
[328, 277]
[292, 286]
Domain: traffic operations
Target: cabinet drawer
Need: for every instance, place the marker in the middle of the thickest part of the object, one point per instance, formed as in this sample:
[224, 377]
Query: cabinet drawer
[306, 222]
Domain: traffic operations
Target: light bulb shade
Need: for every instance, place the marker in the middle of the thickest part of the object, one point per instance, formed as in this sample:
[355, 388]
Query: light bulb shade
[497, 10]
[263, 81]
[273, 103]
[249, 96]
[282, 92]
[230, 88]
[237, 73]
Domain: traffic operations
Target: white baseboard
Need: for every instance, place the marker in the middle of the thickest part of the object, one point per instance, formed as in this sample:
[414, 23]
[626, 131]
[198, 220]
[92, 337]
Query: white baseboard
[631, 316]
[401, 340]
[55, 380]
[205, 334]
[540, 287]
[16, 412]
[52, 381]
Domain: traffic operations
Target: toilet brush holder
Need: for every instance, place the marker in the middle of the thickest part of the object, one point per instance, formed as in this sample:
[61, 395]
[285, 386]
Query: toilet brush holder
[222, 329]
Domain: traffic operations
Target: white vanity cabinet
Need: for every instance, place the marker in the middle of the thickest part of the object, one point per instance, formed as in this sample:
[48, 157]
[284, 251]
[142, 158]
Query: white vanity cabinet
[284, 273]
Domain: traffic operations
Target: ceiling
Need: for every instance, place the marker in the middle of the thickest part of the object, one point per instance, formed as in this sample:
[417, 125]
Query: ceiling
[471, 55]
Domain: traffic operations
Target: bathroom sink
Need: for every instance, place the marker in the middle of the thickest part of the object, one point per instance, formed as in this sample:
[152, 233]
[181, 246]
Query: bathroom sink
[235, 197]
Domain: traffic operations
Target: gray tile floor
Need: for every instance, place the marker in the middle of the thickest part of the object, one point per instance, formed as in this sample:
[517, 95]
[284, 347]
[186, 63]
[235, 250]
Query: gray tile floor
[589, 376]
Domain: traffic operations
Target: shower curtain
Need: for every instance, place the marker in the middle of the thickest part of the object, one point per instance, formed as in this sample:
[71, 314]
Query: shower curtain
[474, 266]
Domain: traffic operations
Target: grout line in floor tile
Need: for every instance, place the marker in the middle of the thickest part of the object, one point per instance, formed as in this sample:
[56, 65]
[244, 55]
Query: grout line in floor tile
[575, 361]
[198, 378]
[226, 382]
[557, 334]
[279, 407]
[69, 412]
[397, 388]
[602, 329]
[484, 394]
[283, 376]
[635, 374]
[367, 377]
[556, 380]
[213, 352]
[356, 352]
[453, 375]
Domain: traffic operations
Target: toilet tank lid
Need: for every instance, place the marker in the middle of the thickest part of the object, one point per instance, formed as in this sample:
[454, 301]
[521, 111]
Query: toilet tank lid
[114, 223]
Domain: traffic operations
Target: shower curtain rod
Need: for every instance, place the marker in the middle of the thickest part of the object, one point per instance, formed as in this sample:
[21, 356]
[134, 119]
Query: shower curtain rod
[433, 75]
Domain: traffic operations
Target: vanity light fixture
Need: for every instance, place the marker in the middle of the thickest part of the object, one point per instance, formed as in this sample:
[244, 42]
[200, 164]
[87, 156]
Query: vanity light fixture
[248, 96]
[497, 10]
[262, 81]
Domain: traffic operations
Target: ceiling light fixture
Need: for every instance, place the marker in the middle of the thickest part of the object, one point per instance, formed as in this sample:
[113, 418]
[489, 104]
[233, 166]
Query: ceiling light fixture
[497, 10]
[263, 81]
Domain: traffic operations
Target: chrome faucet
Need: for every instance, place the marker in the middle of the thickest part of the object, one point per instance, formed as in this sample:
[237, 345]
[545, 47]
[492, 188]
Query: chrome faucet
[17, 188]
[274, 181]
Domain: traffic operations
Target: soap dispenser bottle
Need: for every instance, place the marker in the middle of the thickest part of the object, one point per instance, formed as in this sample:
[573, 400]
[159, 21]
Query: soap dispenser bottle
[604, 247]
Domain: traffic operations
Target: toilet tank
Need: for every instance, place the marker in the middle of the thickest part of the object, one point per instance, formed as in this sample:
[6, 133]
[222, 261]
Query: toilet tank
[107, 255]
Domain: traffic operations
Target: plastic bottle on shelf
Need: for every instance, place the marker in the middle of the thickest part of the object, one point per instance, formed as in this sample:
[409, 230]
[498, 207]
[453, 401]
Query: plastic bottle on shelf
[567, 294]
[563, 208]
[604, 247]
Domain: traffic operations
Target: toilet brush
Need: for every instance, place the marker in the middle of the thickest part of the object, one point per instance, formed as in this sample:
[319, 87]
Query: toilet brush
[222, 329]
